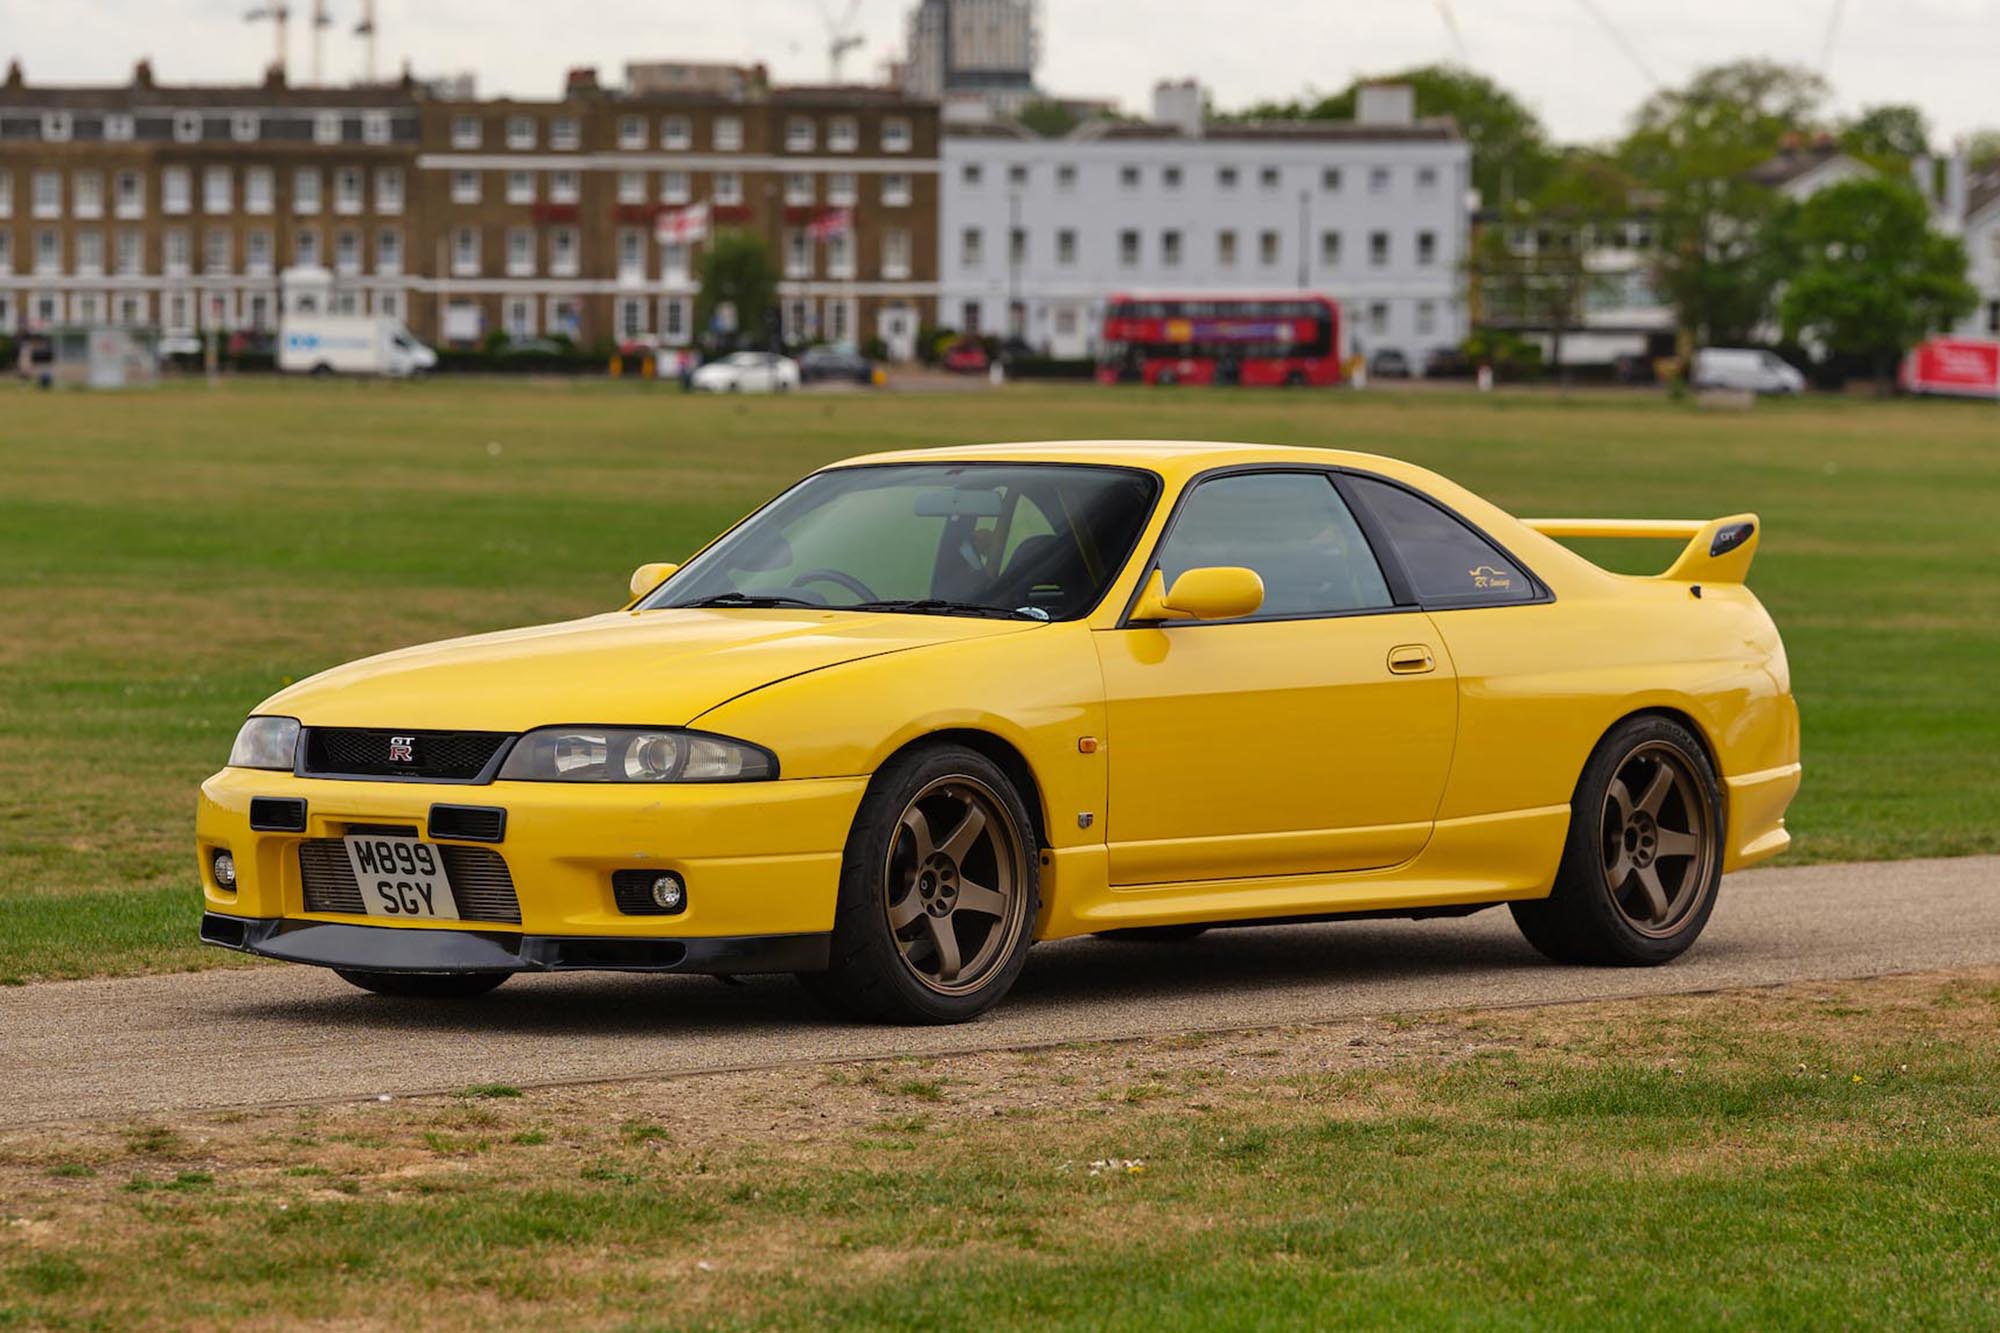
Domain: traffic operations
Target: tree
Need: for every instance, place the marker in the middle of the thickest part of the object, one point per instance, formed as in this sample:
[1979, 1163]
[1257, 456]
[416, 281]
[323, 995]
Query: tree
[737, 272]
[1873, 279]
[1983, 148]
[1719, 256]
[1051, 120]
[1511, 155]
[1887, 136]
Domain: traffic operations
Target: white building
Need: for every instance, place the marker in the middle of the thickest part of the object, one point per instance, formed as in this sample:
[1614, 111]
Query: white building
[1035, 234]
[1968, 206]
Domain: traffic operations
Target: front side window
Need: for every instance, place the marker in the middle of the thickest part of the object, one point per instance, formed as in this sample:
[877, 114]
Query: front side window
[1293, 529]
[1039, 541]
[1448, 564]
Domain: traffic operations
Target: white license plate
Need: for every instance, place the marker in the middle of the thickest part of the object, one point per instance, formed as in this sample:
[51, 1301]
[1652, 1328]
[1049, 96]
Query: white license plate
[401, 877]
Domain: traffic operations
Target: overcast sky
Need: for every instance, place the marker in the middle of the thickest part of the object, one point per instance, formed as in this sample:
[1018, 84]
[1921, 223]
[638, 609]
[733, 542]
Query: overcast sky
[1942, 54]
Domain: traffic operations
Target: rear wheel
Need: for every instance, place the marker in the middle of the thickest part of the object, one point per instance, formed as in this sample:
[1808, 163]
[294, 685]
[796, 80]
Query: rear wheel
[1641, 867]
[938, 893]
[425, 985]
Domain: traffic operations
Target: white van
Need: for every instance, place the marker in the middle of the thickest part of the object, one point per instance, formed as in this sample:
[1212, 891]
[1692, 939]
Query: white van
[350, 345]
[1745, 368]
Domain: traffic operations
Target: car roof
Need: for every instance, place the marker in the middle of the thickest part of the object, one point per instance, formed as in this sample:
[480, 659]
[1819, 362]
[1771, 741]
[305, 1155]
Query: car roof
[1174, 459]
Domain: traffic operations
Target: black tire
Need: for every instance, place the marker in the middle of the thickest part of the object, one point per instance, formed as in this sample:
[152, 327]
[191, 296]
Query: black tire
[424, 985]
[1155, 934]
[322, 371]
[1587, 918]
[870, 975]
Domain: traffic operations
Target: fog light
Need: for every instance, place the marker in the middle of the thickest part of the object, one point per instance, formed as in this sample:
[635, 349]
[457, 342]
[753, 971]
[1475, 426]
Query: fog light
[669, 892]
[224, 866]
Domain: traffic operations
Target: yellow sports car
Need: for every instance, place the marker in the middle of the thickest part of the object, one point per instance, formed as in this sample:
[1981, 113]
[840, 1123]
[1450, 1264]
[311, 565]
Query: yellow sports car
[925, 708]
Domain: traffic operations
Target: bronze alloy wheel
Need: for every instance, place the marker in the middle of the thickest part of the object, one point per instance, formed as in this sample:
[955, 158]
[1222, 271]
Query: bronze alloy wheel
[953, 884]
[1658, 845]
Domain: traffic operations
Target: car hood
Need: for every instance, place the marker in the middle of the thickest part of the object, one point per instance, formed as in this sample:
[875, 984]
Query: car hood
[658, 668]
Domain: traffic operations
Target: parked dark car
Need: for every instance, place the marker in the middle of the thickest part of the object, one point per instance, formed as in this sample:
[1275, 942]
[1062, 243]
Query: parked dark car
[1389, 364]
[840, 364]
[1447, 363]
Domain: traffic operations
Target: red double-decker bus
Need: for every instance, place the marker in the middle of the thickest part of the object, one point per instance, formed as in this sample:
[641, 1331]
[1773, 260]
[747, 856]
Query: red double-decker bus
[1254, 340]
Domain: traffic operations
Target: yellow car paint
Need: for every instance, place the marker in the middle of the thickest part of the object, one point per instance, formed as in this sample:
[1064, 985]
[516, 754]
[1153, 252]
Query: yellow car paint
[1401, 759]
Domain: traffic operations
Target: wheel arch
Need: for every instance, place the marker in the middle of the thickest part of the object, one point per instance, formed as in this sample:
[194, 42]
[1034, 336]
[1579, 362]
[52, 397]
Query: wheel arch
[1673, 714]
[1004, 756]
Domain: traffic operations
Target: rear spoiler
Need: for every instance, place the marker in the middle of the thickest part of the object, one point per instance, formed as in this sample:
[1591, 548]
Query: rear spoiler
[1717, 551]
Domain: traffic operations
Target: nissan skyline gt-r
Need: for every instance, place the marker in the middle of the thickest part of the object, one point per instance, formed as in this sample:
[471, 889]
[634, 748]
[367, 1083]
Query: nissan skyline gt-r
[925, 708]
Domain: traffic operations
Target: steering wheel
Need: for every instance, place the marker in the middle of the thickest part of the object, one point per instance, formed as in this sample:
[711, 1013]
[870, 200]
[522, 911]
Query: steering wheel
[861, 591]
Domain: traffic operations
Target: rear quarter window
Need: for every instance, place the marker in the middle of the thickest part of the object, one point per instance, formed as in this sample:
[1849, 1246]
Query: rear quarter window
[1448, 564]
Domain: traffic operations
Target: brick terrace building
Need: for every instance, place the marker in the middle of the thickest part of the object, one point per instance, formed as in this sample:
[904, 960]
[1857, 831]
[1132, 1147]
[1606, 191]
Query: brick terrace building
[182, 207]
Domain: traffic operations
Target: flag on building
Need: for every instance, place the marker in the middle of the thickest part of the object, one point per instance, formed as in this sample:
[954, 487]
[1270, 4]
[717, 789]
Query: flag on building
[833, 222]
[682, 226]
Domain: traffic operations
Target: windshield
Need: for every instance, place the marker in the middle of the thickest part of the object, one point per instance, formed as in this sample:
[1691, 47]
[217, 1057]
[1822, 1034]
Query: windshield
[1038, 541]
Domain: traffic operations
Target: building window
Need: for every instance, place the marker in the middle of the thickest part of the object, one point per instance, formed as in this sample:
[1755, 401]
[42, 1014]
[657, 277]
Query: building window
[56, 126]
[87, 193]
[1426, 318]
[1378, 318]
[674, 261]
[563, 255]
[48, 194]
[257, 253]
[674, 320]
[798, 188]
[520, 252]
[465, 187]
[174, 256]
[1170, 249]
[842, 135]
[258, 190]
[305, 247]
[895, 135]
[118, 126]
[215, 250]
[631, 253]
[1017, 174]
[565, 134]
[895, 190]
[389, 190]
[1427, 248]
[728, 188]
[48, 251]
[1017, 245]
[90, 252]
[1329, 179]
[798, 254]
[839, 255]
[132, 311]
[631, 187]
[799, 134]
[564, 187]
[1993, 316]
[244, 127]
[179, 312]
[520, 187]
[1267, 248]
[1170, 177]
[128, 190]
[1378, 180]
[1378, 249]
[631, 317]
[1066, 176]
[389, 305]
[971, 249]
[131, 251]
[1329, 249]
[176, 189]
[1066, 247]
[520, 132]
[218, 190]
[187, 127]
[1427, 179]
[326, 127]
[726, 134]
[6, 196]
[466, 132]
[564, 317]
[305, 190]
[895, 253]
[674, 187]
[465, 252]
[675, 133]
[518, 317]
[1128, 249]
[347, 252]
[1267, 177]
[389, 251]
[631, 132]
[840, 188]
[1225, 178]
[971, 175]
[1128, 177]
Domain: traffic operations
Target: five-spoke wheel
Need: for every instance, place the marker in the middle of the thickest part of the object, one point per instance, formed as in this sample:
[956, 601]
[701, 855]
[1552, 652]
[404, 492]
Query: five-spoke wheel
[954, 899]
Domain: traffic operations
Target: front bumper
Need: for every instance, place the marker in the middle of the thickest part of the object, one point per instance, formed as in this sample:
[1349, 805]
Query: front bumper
[760, 859]
[398, 949]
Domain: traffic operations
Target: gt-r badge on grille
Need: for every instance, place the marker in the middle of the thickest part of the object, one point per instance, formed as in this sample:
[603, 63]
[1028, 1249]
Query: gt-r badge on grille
[402, 749]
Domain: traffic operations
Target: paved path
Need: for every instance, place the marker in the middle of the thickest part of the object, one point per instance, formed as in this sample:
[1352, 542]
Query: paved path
[289, 1034]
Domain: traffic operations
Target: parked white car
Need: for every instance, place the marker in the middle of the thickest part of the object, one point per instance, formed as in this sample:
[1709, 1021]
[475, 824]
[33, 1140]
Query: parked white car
[748, 372]
[1745, 368]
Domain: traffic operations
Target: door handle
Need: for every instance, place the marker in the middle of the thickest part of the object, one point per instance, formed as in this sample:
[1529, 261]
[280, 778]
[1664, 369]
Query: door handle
[1411, 659]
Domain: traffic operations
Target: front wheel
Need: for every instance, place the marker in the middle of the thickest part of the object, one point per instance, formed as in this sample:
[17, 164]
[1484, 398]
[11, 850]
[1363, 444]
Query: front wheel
[1643, 862]
[938, 893]
[424, 985]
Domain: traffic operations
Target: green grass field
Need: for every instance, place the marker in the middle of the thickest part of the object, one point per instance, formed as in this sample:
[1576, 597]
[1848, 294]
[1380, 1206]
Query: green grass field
[169, 558]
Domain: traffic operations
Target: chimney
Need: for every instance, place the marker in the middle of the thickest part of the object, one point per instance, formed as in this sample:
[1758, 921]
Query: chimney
[1177, 102]
[1385, 104]
[15, 79]
[142, 74]
[274, 77]
[582, 79]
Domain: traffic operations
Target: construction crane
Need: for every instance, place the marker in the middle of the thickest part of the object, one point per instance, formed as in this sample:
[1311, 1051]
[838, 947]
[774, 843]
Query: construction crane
[277, 14]
[366, 30]
[841, 36]
[321, 21]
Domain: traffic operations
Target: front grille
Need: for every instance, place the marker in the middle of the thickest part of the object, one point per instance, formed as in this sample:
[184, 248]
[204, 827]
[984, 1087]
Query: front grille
[434, 756]
[479, 879]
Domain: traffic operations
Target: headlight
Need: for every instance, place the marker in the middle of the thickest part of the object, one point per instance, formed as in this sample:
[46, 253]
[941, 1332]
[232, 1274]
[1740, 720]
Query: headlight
[634, 754]
[266, 742]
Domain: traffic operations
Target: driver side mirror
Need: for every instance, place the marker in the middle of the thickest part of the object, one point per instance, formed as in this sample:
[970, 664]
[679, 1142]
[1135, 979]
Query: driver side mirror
[650, 576]
[1220, 592]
